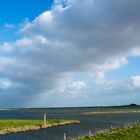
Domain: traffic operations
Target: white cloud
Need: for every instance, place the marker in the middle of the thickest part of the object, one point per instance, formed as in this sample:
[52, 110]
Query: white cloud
[6, 84]
[77, 86]
[112, 64]
[136, 81]
[136, 51]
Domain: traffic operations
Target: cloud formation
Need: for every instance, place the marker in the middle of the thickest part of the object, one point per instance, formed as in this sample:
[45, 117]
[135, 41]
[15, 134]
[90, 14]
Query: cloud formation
[136, 81]
[91, 36]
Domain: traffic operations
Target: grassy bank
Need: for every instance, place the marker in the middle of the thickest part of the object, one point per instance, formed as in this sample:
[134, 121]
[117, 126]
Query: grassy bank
[6, 109]
[124, 133]
[12, 126]
[112, 112]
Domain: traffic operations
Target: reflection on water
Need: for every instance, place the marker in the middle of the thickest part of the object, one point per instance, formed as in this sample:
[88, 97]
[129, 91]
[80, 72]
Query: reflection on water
[93, 123]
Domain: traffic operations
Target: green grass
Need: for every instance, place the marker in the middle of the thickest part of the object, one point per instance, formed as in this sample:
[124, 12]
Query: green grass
[112, 112]
[10, 126]
[21, 123]
[125, 133]
[6, 109]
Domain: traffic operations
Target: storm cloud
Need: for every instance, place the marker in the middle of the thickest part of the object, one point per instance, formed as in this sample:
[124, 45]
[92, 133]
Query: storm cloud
[76, 36]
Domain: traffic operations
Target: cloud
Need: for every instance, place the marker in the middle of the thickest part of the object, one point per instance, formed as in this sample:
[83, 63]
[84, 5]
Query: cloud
[92, 36]
[136, 51]
[9, 26]
[136, 81]
[77, 86]
[6, 84]
[6, 47]
[95, 34]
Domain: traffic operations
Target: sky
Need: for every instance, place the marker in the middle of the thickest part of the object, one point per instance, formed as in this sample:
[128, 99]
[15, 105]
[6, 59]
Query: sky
[68, 53]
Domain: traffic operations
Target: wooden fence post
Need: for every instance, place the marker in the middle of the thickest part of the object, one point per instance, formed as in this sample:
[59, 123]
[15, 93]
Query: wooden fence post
[89, 133]
[45, 115]
[110, 127]
[65, 137]
[134, 122]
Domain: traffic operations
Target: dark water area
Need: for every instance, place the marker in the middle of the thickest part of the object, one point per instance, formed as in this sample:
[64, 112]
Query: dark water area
[93, 123]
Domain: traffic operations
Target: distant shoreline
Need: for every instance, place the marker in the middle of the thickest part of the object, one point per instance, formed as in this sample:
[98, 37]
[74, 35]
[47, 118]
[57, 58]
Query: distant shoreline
[112, 112]
[131, 106]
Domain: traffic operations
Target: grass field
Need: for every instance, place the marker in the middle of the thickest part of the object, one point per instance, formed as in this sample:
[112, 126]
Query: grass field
[10, 126]
[112, 112]
[125, 133]
[6, 109]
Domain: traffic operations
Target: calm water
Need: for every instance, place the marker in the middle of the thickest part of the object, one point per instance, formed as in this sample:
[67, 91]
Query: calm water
[88, 122]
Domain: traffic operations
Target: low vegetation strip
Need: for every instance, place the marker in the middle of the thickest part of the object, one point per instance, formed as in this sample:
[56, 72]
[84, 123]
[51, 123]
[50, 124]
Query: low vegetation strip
[124, 133]
[12, 126]
[6, 109]
[112, 112]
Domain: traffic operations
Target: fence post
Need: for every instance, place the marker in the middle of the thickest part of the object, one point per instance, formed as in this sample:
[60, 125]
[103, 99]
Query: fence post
[45, 120]
[123, 126]
[134, 122]
[65, 137]
[89, 133]
[110, 127]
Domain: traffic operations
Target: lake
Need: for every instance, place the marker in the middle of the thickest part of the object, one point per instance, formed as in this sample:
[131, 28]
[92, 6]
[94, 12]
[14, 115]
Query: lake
[93, 123]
